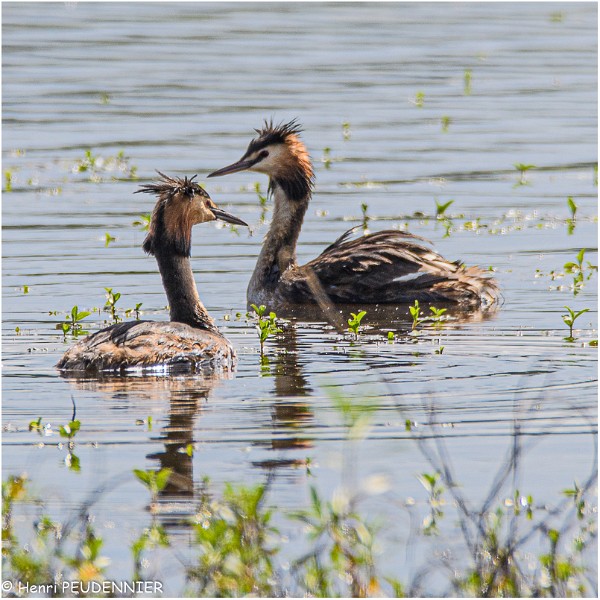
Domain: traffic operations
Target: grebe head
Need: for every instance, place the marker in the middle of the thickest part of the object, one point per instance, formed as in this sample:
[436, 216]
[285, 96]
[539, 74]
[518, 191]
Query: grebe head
[182, 203]
[278, 152]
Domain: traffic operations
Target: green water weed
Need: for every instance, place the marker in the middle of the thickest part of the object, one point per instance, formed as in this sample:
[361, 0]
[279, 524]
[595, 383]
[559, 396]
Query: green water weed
[440, 208]
[467, 82]
[570, 319]
[262, 200]
[364, 207]
[96, 166]
[36, 425]
[437, 315]
[354, 322]
[151, 538]
[523, 168]
[416, 314]
[572, 206]
[573, 210]
[236, 543]
[143, 221]
[431, 483]
[73, 324]
[578, 499]
[343, 549]
[111, 304]
[580, 271]
[446, 120]
[154, 481]
[266, 326]
[346, 132]
[69, 431]
[327, 157]
[136, 310]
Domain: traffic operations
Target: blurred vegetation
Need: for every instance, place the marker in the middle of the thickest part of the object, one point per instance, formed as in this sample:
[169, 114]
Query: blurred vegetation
[238, 550]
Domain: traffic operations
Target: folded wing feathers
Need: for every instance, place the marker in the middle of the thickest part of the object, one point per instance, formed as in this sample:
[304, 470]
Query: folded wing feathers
[384, 258]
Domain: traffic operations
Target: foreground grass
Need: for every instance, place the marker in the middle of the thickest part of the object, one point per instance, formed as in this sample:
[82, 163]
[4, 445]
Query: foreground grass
[239, 551]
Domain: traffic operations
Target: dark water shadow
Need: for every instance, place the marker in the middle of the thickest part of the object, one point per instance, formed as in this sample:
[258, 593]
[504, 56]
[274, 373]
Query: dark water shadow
[290, 414]
[185, 394]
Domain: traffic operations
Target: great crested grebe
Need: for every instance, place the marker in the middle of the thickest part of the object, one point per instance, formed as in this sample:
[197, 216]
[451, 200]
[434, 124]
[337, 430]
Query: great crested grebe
[386, 267]
[191, 338]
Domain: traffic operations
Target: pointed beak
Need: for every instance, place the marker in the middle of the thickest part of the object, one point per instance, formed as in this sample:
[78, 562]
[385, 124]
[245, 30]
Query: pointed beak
[225, 216]
[240, 165]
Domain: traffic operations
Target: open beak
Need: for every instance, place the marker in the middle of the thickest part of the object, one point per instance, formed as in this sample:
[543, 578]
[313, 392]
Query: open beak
[240, 165]
[225, 216]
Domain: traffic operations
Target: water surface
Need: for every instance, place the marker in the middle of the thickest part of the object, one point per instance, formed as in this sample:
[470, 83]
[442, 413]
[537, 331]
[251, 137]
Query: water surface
[180, 87]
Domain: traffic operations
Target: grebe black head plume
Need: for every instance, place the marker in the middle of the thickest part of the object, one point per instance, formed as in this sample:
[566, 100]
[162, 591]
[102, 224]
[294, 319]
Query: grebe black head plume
[167, 187]
[273, 134]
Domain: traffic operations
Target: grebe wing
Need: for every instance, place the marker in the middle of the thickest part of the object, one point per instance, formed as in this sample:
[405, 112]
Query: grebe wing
[390, 266]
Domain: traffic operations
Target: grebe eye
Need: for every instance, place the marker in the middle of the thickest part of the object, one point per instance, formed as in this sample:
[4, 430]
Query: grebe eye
[263, 154]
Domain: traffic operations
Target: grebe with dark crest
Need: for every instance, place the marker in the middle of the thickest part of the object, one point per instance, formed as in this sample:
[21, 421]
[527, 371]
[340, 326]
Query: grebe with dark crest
[190, 340]
[385, 267]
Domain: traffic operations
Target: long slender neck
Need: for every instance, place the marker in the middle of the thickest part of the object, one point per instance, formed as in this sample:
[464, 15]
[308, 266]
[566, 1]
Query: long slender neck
[180, 287]
[279, 247]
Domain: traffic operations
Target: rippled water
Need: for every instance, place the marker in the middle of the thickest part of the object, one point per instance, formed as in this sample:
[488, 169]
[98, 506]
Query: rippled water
[180, 87]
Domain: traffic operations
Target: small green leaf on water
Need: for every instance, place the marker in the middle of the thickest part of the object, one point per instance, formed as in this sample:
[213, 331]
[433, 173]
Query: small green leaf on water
[35, 425]
[162, 478]
[143, 221]
[553, 534]
[69, 430]
[440, 209]
[354, 321]
[468, 76]
[346, 130]
[73, 462]
[108, 239]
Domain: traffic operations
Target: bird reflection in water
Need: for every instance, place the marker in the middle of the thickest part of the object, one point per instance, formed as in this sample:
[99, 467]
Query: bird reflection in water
[290, 415]
[185, 394]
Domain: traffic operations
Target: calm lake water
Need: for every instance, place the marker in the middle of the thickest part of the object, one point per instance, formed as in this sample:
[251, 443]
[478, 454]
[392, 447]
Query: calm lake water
[403, 105]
